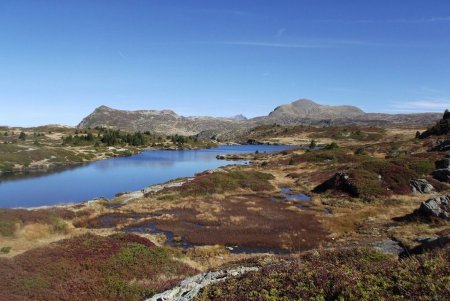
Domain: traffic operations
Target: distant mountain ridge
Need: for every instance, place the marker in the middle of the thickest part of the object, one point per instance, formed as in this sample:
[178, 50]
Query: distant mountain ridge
[306, 108]
[161, 122]
[302, 111]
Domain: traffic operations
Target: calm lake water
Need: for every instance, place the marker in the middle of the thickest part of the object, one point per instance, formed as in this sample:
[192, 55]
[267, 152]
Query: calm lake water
[108, 177]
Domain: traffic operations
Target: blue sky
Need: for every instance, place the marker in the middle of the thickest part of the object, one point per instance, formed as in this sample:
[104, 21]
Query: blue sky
[61, 59]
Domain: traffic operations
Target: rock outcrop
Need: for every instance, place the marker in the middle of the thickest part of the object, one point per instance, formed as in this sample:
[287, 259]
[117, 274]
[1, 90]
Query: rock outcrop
[444, 163]
[190, 287]
[421, 186]
[436, 207]
[428, 244]
[441, 146]
[340, 181]
[442, 127]
[442, 173]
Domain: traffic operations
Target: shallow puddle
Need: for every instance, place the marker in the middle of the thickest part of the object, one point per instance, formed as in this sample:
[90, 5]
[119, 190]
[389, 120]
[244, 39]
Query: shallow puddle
[288, 197]
[171, 239]
[251, 250]
[110, 220]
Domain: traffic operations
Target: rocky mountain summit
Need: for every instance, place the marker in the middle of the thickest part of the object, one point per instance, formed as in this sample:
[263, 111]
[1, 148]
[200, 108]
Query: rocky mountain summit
[305, 108]
[161, 122]
[300, 112]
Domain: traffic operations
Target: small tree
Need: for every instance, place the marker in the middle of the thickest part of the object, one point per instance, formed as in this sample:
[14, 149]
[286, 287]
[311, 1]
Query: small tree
[313, 144]
[417, 135]
[22, 136]
[332, 145]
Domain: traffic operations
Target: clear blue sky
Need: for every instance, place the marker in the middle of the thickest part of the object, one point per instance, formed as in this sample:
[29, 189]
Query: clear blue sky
[61, 59]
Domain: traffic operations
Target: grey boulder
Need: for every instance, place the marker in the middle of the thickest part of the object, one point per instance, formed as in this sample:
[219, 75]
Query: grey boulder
[442, 175]
[438, 207]
[421, 186]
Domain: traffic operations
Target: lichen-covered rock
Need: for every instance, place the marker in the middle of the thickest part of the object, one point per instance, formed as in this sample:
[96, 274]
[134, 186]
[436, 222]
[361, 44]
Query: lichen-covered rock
[190, 287]
[438, 207]
[421, 186]
[388, 246]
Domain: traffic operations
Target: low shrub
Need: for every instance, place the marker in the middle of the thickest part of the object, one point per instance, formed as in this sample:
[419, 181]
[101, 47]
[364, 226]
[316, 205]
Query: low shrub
[11, 218]
[358, 274]
[423, 167]
[366, 184]
[330, 155]
[5, 250]
[220, 182]
[90, 267]
[370, 177]
[339, 133]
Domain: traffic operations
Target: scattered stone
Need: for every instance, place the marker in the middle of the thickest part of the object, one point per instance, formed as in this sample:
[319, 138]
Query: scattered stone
[441, 146]
[389, 246]
[442, 164]
[421, 186]
[438, 207]
[190, 287]
[442, 175]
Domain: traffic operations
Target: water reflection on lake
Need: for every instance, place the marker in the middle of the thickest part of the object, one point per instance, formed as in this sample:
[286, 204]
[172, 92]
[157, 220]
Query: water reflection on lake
[108, 177]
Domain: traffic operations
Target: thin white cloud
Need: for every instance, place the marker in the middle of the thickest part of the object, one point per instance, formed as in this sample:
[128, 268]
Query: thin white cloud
[229, 12]
[387, 21]
[423, 20]
[270, 44]
[317, 43]
[435, 105]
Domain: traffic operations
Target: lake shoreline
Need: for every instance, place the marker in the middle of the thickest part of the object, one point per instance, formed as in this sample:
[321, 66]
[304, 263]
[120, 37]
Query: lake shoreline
[210, 152]
[42, 168]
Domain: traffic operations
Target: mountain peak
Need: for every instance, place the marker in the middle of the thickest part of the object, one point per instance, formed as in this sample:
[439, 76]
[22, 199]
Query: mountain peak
[305, 108]
[305, 102]
[239, 117]
[103, 108]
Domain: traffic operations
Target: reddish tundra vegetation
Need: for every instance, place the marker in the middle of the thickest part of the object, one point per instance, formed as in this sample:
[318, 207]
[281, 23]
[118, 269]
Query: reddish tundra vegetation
[91, 267]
